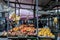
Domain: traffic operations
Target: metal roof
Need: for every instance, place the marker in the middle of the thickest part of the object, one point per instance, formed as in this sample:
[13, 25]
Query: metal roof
[29, 4]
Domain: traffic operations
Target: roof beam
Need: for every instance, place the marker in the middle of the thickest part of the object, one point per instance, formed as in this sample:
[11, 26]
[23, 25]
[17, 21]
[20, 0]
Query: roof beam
[24, 3]
[52, 6]
[47, 3]
[22, 8]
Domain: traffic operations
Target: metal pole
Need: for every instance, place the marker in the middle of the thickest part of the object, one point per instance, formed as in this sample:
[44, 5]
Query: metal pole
[15, 6]
[56, 34]
[7, 18]
[19, 14]
[37, 16]
[15, 11]
[34, 15]
[19, 9]
[8, 15]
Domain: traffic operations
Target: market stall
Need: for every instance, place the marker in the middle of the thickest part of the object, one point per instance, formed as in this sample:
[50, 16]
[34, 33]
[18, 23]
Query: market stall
[32, 19]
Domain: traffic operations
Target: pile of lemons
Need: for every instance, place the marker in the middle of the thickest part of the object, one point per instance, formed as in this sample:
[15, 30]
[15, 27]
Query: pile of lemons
[46, 32]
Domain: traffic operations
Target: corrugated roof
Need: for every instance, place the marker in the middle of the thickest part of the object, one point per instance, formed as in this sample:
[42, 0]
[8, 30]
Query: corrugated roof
[31, 3]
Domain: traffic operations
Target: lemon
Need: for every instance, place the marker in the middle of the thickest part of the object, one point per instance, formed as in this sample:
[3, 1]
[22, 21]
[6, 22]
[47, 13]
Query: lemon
[40, 34]
[45, 35]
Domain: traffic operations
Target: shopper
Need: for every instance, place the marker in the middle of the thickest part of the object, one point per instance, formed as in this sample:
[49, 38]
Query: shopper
[40, 24]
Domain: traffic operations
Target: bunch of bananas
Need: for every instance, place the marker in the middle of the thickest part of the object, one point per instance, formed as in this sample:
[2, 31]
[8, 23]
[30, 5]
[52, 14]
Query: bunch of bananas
[15, 17]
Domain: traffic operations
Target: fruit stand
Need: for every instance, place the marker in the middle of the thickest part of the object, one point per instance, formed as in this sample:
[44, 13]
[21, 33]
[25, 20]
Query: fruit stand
[27, 27]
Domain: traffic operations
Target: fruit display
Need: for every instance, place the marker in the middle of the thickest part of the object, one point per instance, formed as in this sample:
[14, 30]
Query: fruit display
[29, 30]
[45, 32]
[22, 30]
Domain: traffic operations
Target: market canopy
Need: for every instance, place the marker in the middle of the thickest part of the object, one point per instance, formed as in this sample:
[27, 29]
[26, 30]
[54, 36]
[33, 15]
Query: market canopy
[29, 4]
